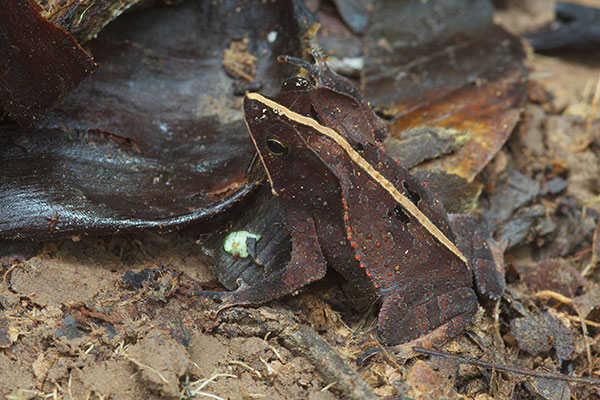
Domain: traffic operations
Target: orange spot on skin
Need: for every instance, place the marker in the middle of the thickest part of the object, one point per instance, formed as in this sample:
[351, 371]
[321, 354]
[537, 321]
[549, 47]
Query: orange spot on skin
[353, 244]
[378, 244]
[357, 257]
[389, 274]
[369, 273]
[369, 236]
[362, 265]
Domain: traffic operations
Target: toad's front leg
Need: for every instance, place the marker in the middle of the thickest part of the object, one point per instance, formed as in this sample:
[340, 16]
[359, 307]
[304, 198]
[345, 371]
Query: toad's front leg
[485, 257]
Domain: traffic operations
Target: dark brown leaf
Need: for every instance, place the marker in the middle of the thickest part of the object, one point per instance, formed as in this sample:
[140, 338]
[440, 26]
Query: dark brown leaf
[84, 19]
[261, 214]
[513, 190]
[575, 29]
[39, 62]
[444, 64]
[155, 138]
[355, 13]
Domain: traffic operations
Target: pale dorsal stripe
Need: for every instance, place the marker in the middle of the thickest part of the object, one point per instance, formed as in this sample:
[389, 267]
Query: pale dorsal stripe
[358, 159]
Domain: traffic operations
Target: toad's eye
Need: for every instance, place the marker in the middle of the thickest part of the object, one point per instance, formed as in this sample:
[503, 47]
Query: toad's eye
[276, 147]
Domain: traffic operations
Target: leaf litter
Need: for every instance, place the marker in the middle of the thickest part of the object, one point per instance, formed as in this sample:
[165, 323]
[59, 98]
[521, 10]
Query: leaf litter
[108, 316]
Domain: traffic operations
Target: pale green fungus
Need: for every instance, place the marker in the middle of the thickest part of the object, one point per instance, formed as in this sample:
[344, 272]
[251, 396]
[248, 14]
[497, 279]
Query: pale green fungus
[235, 243]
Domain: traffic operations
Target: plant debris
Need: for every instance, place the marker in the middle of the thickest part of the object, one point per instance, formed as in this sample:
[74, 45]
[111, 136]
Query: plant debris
[154, 140]
[40, 62]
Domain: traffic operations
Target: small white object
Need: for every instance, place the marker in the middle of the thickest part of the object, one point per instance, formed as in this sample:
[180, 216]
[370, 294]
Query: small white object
[163, 127]
[235, 243]
[350, 66]
[271, 36]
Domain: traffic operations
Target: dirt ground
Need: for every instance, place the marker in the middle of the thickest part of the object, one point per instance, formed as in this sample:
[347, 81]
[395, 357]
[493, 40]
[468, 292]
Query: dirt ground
[107, 318]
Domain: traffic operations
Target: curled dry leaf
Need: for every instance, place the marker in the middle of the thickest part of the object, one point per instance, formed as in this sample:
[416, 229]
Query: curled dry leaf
[261, 214]
[155, 138]
[448, 69]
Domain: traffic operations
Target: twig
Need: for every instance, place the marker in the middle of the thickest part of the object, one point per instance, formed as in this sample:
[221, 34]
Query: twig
[514, 370]
[554, 295]
[211, 396]
[594, 107]
[246, 366]
[388, 356]
[142, 365]
[591, 136]
[595, 249]
[566, 300]
[270, 370]
[329, 386]
[273, 349]
[584, 332]
[304, 341]
[573, 318]
[11, 269]
[209, 380]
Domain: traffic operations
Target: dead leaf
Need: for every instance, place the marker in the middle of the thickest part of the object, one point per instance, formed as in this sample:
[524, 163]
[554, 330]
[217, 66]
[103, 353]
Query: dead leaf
[539, 333]
[40, 62]
[449, 69]
[154, 137]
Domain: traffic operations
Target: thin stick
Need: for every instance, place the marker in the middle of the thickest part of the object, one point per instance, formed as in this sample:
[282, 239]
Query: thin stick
[586, 342]
[594, 107]
[554, 295]
[573, 318]
[534, 374]
[142, 365]
[246, 366]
